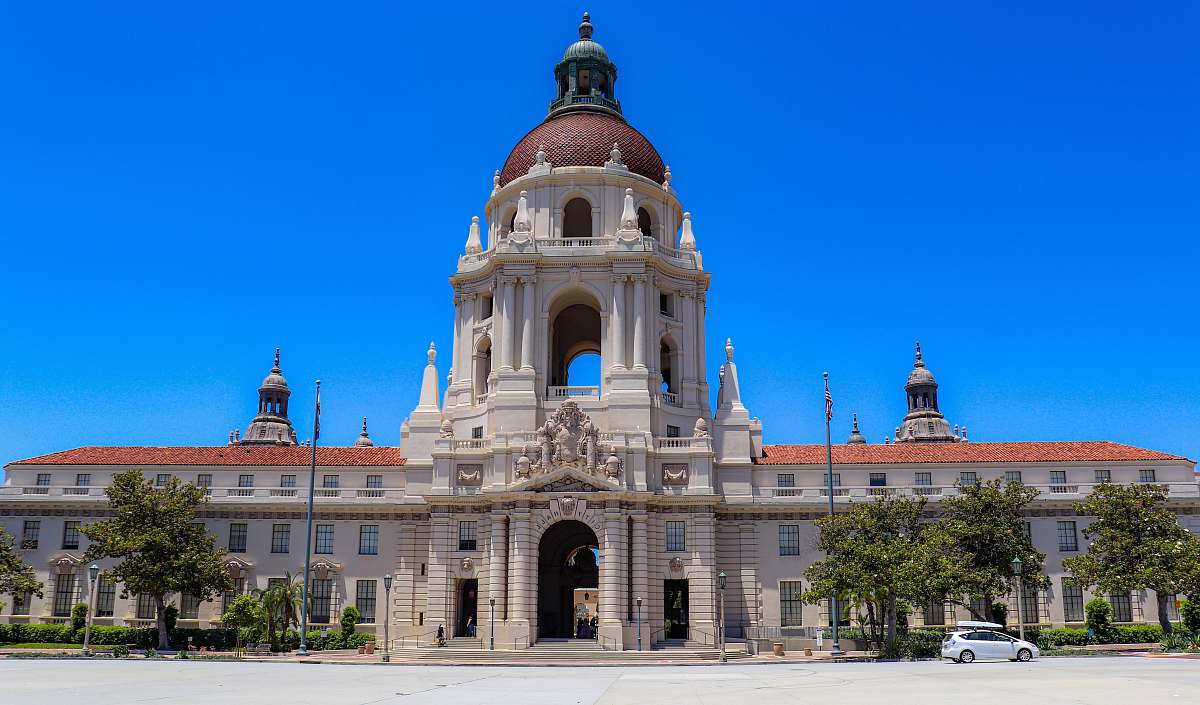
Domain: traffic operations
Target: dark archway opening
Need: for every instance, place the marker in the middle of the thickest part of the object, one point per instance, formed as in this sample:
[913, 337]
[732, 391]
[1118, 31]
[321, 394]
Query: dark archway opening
[644, 223]
[575, 331]
[562, 569]
[468, 605]
[577, 218]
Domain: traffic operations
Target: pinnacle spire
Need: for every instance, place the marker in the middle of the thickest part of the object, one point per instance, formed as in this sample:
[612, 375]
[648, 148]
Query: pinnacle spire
[585, 27]
[919, 362]
[363, 438]
[276, 369]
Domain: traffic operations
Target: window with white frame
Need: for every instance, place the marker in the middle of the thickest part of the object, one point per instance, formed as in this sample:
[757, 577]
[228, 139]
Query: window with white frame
[287, 480]
[967, 478]
[1102, 475]
[1058, 477]
[329, 482]
[374, 482]
[245, 481]
[162, 479]
[1012, 477]
[1146, 475]
[83, 479]
[923, 479]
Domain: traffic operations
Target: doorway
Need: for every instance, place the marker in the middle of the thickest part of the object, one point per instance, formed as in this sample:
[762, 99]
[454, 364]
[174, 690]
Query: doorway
[468, 606]
[568, 561]
[675, 608]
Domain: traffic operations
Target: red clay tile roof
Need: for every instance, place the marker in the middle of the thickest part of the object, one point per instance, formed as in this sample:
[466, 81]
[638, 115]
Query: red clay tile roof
[1044, 452]
[219, 455]
[584, 139]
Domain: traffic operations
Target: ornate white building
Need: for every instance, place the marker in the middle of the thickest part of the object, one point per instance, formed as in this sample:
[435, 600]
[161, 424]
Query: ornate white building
[517, 487]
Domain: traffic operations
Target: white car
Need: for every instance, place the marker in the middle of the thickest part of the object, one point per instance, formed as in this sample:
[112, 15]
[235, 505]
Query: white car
[978, 641]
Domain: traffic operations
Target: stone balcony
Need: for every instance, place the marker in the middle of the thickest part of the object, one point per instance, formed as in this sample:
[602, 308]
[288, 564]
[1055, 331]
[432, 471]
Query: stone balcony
[859, 493]
[584, 246]
[231, 495]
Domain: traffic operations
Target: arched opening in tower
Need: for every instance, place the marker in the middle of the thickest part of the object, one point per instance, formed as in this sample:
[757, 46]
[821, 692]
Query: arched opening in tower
[568, 577]
[577, 218]
[575, 347]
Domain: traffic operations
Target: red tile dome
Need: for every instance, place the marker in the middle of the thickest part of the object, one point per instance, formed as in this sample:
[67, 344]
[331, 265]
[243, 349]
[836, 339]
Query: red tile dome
[584, 138]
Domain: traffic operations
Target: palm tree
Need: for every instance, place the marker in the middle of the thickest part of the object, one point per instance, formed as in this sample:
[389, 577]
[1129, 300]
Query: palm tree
[281, 605]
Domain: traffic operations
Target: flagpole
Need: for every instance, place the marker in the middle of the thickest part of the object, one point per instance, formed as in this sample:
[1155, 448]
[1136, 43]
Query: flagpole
[836, 647]
[308, 534]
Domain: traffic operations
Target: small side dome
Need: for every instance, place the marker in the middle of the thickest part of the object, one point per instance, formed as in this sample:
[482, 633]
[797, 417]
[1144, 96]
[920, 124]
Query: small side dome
[585, 48]
[856, 438]
[363, 439]
[275, 378]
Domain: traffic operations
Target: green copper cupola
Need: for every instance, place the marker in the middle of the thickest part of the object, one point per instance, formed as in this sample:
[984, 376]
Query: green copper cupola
[585, 77]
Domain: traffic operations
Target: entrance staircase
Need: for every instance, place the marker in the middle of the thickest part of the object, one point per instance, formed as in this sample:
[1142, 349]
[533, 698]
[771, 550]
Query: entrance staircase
[566, 651]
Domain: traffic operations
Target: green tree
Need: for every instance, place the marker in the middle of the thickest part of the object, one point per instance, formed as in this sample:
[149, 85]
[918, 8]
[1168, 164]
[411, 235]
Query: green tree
[1189, 614]
[1136, 544]
[162, 549]
[987, 522]
[16, 577]
[281, 606]
[350, 617]
[79, 616]
[242, 613]
[1097, 616]
[882, 558]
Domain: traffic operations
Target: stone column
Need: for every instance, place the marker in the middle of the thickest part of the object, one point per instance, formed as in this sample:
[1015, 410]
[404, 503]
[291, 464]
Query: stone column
[508, 325]
[455, 353]
[698, 331]
[687, 305]
[641, 582]
[527, 318]
[617, 338]
[497, 565]
[520, 553]
[612, 571]
[438, 586]
[639, 322]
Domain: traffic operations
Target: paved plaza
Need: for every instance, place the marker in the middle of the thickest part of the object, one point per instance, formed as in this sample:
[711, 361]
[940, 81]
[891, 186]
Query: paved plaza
[1094, 681]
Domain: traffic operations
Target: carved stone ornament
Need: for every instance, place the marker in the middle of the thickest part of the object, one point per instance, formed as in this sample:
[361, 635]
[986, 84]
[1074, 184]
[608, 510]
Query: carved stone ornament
[567, 506]
[675, 474]
[677, 565]
[568, 439]
[447, 429]
[468, 565]
[470, 474]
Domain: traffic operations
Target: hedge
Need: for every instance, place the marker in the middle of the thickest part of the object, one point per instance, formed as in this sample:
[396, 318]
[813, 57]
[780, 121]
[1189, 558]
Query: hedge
[1118, 634]
[218, 639]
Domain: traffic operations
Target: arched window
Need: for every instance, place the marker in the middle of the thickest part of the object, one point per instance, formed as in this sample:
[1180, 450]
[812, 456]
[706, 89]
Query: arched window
[644, 223]
[666, 366]
[483, 366]
[575, 345]
[577, 218]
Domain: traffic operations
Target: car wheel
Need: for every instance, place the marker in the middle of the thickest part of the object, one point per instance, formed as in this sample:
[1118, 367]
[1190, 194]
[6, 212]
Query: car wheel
[1024, 655]
[967, 656]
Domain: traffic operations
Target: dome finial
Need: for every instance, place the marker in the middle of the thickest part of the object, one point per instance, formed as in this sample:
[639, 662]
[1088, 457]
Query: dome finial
[919, 362]
[363, 439]
[585, 27]
[276, 369]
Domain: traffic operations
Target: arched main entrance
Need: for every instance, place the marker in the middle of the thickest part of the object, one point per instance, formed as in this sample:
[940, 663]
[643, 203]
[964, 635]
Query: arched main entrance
[567, 561]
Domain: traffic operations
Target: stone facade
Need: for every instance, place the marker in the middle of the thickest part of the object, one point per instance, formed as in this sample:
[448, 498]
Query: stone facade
[514, 486]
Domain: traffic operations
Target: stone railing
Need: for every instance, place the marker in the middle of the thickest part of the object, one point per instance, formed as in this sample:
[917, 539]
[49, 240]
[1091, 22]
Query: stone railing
[694, 443]
[553, 242]
[471, 444]
[561, 393]
[670, 398]
[932, 492]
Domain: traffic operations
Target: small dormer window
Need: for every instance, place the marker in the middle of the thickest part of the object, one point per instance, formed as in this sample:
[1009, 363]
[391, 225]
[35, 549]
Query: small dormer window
[585, 82]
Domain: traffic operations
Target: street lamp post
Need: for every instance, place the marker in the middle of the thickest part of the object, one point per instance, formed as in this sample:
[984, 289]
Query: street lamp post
[387, 615]
[93, 572]
[638, 600]
[492, 624]
[721, 629]
[1017, 569]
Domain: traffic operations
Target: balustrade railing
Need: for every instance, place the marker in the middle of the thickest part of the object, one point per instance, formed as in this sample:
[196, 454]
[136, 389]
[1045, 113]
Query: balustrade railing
[696, 442]
[670, 398]
[575, 242]
[560, 393]
[471, 444]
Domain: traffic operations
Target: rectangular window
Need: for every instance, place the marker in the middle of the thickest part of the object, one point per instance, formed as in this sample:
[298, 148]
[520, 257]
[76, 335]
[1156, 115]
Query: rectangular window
[789, 539]
[1067, 538]
[189, 606]
[245, 481]
[21, 602]
[70, 535]
[204, 479]
[672, 431]
[968, 478]
[64, 594]
[935, 613]
[477, 432]
[281, 538]
[324, 538]
[43, 479]
[1122, 606]
[1058, 477]
[1072, 601]
[146, 609]
[30, 532]
[374, 482]
[368, 540]
[1146, 475]
[239, 586]
[329, 481]
[487, 308]
[237, 538]
[466, 536]
[287, 480]
[676, 536]
[161, 479]
[837, 479]
[106, 596]
[664, 305]
[83, 479]
[878, 479]
[322, 596]
[364, 600]
[1103, 475]
[785, 480]
[1012, 477]
[791, 609]
[924, 479]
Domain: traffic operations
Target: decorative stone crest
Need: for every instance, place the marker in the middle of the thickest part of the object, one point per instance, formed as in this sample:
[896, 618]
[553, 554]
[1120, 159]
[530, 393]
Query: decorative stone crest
[468, 565]
[700, 430]
[676, 565]
[470, 475]
[568, 439]
[567, 506]
[675, 474]
[447, 429]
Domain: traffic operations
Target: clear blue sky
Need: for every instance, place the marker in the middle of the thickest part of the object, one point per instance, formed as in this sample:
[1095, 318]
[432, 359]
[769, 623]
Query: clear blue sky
[1015, 184]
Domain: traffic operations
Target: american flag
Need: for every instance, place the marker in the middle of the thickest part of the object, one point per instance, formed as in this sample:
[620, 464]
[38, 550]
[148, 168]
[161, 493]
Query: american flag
[828, 402]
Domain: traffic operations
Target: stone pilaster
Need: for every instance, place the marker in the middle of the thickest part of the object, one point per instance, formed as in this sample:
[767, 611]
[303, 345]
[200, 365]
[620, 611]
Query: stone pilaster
[617, 335]
[639, 322]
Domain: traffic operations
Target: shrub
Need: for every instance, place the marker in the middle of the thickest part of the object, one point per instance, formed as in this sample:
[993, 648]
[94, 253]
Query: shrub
[6, 634]
[350, 617]
[1189, 612]
[79, 616]
[42, 633]
[1098, 617]
[923, 643]
[120, 651]
[1055, 638]
[170, 616]
[1178, 641]
[1135, 634]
